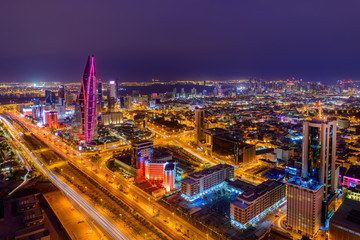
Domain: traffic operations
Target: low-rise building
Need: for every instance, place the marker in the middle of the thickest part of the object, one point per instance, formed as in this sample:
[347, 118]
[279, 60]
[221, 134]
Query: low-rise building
[204, 181]
[343, 123]
[161, 169]
[284, 153]
[352, 176]
[345, 223]
[255, 202]
[112, 118]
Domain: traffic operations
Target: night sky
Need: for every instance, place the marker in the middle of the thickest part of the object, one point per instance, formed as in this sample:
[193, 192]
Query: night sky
[316, 40]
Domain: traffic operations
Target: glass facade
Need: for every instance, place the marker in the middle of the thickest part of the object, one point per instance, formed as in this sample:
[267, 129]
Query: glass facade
[329, 162]
[314, 154]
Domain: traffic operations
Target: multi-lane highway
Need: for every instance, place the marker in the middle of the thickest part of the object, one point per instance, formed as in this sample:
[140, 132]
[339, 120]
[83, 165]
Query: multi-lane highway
[103, 222]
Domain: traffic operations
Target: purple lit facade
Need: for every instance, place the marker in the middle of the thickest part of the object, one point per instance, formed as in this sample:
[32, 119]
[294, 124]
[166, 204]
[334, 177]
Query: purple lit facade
[87, 101]
[352, 177]
[350, 181]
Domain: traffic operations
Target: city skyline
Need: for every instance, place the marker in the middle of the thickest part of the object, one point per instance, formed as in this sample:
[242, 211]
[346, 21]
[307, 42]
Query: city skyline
[192, 120]
[314, 41]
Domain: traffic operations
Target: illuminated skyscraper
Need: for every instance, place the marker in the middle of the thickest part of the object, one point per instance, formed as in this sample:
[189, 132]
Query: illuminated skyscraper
[199, 124]
[61, 95]
[311, 198]
[49, 97]
[99, 100]
[319, 152]
[87, 101]
[113, 92]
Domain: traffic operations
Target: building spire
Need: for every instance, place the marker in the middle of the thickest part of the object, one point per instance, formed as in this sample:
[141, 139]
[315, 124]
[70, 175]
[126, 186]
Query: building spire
[319, 106]
[87, 67]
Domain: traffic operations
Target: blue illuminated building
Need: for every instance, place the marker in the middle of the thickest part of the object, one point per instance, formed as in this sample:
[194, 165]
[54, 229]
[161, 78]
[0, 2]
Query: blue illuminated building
[255, 202]
[200, 183]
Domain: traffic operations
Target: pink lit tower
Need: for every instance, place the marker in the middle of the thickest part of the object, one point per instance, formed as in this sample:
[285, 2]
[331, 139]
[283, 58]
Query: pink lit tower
[87, 101]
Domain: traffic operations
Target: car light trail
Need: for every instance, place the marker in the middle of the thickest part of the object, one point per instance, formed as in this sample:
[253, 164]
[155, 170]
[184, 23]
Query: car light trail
[108, 226]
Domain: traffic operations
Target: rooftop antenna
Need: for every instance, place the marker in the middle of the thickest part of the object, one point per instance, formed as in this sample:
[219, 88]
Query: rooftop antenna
[318, 105]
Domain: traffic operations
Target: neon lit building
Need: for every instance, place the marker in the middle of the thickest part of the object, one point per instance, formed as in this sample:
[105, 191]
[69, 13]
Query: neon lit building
[155, 166]
[161, 172]
[204, 181]
[27, 111]
[51, 119]
[352, 176]
[38, 111]
[87, 101]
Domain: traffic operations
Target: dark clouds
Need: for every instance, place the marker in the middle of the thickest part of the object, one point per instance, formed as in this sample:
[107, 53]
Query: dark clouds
[44, 40]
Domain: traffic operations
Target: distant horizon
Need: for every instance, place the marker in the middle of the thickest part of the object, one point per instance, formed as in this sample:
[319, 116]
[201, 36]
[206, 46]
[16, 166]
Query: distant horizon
[168, 81]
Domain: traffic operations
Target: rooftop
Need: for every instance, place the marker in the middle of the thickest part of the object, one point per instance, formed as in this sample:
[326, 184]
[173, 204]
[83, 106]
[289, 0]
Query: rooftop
[188, 180]
[240, 185]
[251, 194]
[304, 183]
[210, 170]
[348, 215]
[170, 166]
[230, 138]
[158, 154]
[316, 120]
[142, 143]
[240, 204]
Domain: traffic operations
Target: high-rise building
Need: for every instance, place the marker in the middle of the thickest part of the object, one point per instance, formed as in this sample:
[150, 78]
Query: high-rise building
[183, 95]
[87, 101]
[199, 124]
[99, 99]
[319, 153]
[174, 93]
[112, 99]
[193, 92]
[311, 198]
[49, 97]
[38, 111]
[141, 151]
[61, 95]
[304, 204]
[51, 119]
[117, 87]
[113, 91]
[127, 102]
